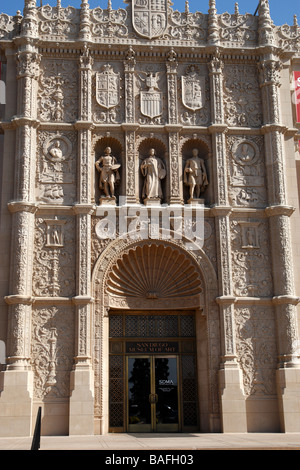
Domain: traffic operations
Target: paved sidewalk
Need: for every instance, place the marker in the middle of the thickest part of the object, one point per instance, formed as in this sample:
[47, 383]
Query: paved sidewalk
[159, 442]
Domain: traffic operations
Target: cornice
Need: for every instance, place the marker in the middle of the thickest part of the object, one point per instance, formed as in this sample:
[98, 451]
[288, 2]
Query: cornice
[22, 206]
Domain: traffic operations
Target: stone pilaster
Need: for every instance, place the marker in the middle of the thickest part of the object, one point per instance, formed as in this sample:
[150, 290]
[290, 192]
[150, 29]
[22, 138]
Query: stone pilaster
[81, 418]
[18, 375]
[175, 160]
[131, 185]
[233, 407]
[279, 213]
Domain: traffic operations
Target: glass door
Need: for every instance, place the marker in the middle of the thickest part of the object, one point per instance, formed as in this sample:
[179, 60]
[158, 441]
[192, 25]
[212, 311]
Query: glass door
[139, 390]
[153, 404]
[166, 389]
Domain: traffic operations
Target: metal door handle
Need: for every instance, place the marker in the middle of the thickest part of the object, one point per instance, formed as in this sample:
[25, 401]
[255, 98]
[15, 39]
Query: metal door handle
[153, 398]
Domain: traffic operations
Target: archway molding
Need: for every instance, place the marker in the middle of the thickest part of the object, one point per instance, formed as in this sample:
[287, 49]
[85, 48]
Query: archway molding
[106, 285]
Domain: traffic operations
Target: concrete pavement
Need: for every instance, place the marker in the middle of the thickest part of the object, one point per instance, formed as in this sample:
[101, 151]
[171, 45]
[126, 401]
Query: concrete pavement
[158, 442]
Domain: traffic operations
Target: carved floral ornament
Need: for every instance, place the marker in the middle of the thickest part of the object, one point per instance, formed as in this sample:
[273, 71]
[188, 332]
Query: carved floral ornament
[150, 19]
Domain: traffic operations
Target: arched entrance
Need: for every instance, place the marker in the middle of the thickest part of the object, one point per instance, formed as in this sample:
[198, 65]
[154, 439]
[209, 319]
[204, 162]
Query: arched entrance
[153, 364]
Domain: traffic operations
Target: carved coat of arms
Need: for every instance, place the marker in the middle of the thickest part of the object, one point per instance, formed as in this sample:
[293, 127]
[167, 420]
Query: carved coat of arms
[150, 17]
[108, 88]
[193, 89]
[151, 100]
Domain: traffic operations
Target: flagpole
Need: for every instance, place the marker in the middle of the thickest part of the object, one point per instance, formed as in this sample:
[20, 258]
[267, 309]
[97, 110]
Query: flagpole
[257, 8]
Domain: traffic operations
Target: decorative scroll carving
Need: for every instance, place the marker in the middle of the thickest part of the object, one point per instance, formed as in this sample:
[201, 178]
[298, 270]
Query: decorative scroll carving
[289, 36]
[52, 351]
[246, 171]
[251, 260]
[58, 91]
[6, 25]
[242, 100]
[58, 23]
[54, 257]
[56, 167]
[109, 23]
[238, 30]
[256, 349]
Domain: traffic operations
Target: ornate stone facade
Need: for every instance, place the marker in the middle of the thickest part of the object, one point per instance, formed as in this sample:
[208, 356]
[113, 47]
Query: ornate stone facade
[115, 118]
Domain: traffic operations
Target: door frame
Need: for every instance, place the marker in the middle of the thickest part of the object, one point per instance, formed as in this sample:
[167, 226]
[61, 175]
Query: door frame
[153, 426]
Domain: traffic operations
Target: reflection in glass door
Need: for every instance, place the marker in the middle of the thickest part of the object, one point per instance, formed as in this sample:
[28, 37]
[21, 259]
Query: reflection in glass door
[139, 390]
[153, 394]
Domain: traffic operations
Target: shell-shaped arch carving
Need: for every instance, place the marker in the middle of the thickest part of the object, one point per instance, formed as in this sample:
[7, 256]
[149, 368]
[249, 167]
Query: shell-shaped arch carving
[154, 272]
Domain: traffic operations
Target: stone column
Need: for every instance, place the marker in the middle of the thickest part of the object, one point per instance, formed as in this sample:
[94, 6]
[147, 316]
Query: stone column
[130, 127]
[279, 213]
[16, 397]
[81, 418]
[233, 405]
[175, 160]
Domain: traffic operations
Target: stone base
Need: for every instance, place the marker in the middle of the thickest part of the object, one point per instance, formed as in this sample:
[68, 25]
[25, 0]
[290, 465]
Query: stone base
[196, 202]
[233, 403]
[16, 403]
[288, 388]
[81, 419]
[152, 201]
[107, 201]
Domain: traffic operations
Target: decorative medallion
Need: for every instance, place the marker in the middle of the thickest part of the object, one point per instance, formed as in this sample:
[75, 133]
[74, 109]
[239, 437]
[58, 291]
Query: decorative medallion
[108, 88]
[193, 89]
[150, 17]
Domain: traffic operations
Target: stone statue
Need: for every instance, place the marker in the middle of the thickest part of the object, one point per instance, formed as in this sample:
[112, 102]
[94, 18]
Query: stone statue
[108, 167]
[153, 169]
[195, 175]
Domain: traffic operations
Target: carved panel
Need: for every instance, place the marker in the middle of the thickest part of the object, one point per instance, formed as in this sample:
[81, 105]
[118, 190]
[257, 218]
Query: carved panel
[247, 179]
[194, 95]
[57, 23]
[242, 99]
[151, 94]
[52, 351]
[54, 257]
[107, 99]
[238, 30]
[109, 23]
[6, 25]
[251, 259]
[256, 349]
[56, 167]
[58, 90]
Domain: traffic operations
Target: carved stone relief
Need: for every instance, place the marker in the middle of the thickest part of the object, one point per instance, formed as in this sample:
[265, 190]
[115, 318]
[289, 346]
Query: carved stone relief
[247, 179]
[56, 167]
[256, 349]
[238, 29]
[109, 23]
[58, 90]
[52, 351]
[242, 99]
[6, 25]
[194, 109]
[54, 257]
[58, 23]
[150, 100]
[251, 258]
[108, 101]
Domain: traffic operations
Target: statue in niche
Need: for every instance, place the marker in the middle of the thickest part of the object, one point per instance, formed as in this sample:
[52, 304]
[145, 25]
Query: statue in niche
[195, 176]
[153, 169]
[108, 167]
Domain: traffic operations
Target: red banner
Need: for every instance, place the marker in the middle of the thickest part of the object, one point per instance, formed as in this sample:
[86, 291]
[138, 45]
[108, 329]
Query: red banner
[297, 94]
